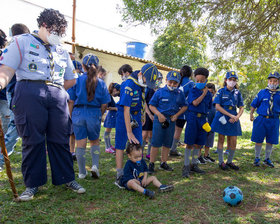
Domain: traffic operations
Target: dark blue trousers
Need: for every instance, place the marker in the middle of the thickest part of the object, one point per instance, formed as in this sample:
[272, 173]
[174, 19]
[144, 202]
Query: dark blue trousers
[42, 119]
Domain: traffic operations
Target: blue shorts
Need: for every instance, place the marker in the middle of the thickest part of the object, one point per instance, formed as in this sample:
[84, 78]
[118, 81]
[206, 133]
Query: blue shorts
[162, 137]
[110, 120]
[194, 134]
[265, 128]
[86, 123]
[121, 134]
[210, 139]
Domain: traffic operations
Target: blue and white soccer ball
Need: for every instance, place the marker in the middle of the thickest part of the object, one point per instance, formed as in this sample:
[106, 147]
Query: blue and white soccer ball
[232, 196]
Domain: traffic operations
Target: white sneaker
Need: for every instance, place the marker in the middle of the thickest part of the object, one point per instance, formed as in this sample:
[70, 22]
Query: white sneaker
[95, 171]
[82, 176]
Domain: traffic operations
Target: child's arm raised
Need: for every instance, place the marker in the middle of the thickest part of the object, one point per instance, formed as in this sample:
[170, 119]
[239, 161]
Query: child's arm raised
[197, 101]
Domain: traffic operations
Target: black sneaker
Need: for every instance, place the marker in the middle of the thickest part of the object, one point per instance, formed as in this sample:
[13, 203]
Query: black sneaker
[175, 153]
[195, 169]
[232, 166]
[165, 166]
[150, 194]
[224, 166]
[201, 160]
[268, 162]
[74, 186]
[165, 188]
[118, 182]
[28, 194]
[208, 159]
[186, 171]
[151, 169]
[257, 161]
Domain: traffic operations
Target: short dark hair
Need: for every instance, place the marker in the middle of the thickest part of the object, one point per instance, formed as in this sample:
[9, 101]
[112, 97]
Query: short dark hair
[132, 146]
[3, 39]
[125, 68]
[53, 19]
[101, 69]
[201, 71]
[19, 28]
[211, 86]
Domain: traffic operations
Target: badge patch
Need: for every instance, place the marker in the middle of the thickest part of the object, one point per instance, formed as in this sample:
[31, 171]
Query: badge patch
[61, 72]
[32, 67]
[131, 94]
[5, 51]
[34, 46]
[33, 53]
[59, 50]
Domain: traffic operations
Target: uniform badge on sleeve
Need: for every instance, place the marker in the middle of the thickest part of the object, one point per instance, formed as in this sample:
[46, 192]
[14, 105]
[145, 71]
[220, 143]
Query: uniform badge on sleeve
[59, 50]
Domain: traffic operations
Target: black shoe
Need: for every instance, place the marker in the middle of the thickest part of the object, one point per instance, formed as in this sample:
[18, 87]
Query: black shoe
[195, 168]
[118, 182]
[175, 153]
[201, 160]
[224, 166]
[165, 188]
[232, 166]
[267, 162]
[208, 159]
[150, 194]
[186, 171]
[164, 166]
[151, 169]
[74, 157]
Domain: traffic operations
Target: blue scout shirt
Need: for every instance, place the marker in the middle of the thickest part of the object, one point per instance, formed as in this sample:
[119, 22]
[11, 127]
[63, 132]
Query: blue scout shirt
[29, 58]
[131, 94]
[185, 86]
[227, 98]
[261, 102]
[112, 103]
[149, 94]
[78, 92]
[204, 106]
[134, 171]
[168, 102]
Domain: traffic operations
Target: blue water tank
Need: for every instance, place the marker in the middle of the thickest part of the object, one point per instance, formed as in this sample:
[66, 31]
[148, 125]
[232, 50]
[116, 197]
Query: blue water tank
[136, 49]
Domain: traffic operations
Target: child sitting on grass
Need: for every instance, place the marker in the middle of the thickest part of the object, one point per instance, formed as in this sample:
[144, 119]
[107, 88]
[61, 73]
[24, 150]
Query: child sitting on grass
[135, 175]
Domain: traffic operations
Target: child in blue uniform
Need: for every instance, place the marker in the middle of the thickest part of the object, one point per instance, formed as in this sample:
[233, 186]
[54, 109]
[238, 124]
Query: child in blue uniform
[200, 101]
[167, 104]
[136, 173]
[226, 121]
[185, 85]
[110, 120]
[89, 96]
[266, 125]
[129, 119]
[210, 135]
[125, 71]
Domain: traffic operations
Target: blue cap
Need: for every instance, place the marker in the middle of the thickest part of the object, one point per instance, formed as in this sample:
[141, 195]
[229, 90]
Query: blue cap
[274, 75]
[77, 65]
[231, 74]
[173, 75]
[90, 59]
[150, 72]
[117, 86]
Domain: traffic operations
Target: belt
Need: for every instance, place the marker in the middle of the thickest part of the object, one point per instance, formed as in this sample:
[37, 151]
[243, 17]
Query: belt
[134, 112]
[49, 83]
[199, 114]
[270, 117]
[86, 105]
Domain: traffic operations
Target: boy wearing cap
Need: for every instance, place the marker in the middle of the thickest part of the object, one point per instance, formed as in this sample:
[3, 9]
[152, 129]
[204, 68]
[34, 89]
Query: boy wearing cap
[130, 108]
[226, 121]
[266, 125]
[200, 102]
[167, 104]
[88, 101]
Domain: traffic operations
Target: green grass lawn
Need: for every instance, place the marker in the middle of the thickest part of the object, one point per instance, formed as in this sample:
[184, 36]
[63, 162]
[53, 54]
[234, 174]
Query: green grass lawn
[195, 200]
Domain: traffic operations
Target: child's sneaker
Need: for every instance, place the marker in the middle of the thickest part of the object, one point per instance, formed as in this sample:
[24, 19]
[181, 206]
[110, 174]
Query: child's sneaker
[257, 161]
[95, 172]
[150, 194]
[165, 188]
[110, 150]
[226, 152]
[118, 182]
[223, 166]
[175, 153]
[186, 171]
[201, 160]
[151, 169]
[268, 162]
[196, 169]
[82, 176]
[208, 159]
[74, 186]
[148, 156]
[165, 166]
[28, 194]
[232, 166]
